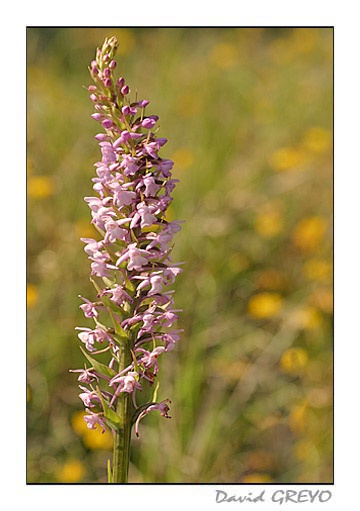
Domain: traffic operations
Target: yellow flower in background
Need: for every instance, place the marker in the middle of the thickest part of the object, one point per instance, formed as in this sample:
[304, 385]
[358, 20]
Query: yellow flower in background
[268, 224]
[40, 187]
[317, 140]
[78, 423]
[306, 317]
[264, 305]
[256, 478]
[224, 55]
[71, 471]
[287, 158]
[183, 158]
[318, 269]
[310, 318]
[92, 438]
[32, 295]
[294, 360]
[309, 233]
[96, 439]
[323, 298]
[298, 417]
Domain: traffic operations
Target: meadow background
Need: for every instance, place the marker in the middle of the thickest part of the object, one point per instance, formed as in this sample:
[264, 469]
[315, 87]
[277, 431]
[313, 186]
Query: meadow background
[248, 113]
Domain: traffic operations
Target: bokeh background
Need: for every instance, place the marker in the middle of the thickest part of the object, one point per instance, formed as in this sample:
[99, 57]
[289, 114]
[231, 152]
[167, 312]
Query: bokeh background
[248, 113]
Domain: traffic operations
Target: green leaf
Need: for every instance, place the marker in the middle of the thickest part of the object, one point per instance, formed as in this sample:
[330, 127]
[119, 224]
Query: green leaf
[112, 418]
[108, 282]
[112, 308]
[98, 288]
[98, 366]
[121, 339]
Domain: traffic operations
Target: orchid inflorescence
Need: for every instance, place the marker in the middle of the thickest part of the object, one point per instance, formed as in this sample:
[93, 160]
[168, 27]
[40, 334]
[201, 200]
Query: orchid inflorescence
[131, 265]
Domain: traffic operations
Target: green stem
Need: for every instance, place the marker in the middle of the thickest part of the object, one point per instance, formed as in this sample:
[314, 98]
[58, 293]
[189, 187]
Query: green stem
[124, 409]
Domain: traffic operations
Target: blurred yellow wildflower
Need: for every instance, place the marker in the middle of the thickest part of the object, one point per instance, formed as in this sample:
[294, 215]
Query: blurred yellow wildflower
[308, 318]
[32, 295]
[224, 55]
[92, 438]
[256, 478]
[265, 305]
[72, 471]
[287, 158]
[317, 140]
[323, 298]
[294, 360]
[297, 417]
[309, 233]
[96, 439]
[40, 187]
[183, 158]
[268, 224]
[77, 422]
[318, 269]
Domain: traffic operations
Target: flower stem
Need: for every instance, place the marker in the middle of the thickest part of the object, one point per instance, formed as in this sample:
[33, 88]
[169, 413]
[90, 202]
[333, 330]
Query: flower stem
[122, 436]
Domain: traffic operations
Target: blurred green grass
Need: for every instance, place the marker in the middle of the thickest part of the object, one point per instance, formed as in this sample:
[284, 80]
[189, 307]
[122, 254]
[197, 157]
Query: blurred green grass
[248, 114]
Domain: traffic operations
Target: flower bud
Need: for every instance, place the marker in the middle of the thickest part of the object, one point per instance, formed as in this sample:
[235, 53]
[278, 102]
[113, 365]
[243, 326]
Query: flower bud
[120, 82]
[101, 137]
[97, 117]
[107, 123]
[143, 103]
